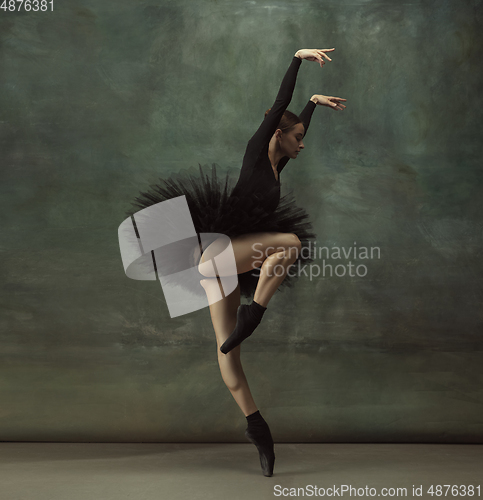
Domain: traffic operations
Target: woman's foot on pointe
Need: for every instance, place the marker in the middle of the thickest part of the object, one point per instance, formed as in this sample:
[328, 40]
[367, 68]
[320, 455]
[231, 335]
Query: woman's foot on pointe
[248, 317]
[259, 434]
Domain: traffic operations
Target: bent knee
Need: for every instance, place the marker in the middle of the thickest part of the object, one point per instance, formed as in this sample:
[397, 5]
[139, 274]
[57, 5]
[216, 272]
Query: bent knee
[208, 283]
[295, 241]
[294, 245]
[206, 269]
[205, 265]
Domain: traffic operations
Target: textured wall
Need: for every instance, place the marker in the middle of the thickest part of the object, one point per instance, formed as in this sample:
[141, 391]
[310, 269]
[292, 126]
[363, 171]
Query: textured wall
[99, 99]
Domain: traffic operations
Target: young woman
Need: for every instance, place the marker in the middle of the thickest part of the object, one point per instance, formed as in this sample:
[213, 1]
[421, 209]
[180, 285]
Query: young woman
[267, 234]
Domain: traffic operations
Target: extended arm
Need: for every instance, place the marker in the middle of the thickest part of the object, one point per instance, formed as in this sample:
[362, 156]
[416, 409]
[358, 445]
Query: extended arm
[268, 126]
[305, 116]
[329, 101]
[262, 136]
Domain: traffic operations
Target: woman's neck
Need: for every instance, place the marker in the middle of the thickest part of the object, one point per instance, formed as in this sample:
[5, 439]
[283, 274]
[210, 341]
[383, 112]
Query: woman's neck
[274, 153]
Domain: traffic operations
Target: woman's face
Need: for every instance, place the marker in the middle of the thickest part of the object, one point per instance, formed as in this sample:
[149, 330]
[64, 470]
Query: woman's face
[291, 141]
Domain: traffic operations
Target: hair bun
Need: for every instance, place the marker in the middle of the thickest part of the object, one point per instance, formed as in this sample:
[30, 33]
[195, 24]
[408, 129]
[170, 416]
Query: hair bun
[288, 120]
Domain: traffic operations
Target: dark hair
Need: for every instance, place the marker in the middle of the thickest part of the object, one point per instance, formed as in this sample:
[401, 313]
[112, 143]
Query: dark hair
[288, 120]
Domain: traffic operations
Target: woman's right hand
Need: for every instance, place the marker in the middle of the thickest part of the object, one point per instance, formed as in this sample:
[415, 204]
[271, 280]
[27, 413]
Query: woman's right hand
[314, 55]
[329, 101]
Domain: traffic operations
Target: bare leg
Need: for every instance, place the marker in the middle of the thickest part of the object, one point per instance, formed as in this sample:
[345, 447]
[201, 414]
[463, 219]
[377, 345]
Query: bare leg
[276, 252]
[223, 317]
[273, 272]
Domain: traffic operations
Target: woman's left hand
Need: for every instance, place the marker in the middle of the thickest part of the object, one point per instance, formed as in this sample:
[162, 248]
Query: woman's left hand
[329, 101]
[316, 55]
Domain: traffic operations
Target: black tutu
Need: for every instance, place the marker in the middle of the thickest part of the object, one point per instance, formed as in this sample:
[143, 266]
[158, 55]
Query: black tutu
[215, 209]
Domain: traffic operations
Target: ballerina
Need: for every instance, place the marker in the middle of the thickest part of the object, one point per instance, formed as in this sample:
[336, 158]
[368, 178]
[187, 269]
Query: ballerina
[278, 139]
[252, 214]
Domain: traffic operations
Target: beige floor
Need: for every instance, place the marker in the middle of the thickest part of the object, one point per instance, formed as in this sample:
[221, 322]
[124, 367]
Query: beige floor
[88, 471]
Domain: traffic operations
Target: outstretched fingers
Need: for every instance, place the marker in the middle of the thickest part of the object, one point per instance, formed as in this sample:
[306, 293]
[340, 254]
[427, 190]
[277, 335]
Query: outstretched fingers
[322, 52]
[338, 103]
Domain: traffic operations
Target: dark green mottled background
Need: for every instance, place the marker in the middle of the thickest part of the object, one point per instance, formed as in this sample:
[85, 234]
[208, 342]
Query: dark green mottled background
[99, 99]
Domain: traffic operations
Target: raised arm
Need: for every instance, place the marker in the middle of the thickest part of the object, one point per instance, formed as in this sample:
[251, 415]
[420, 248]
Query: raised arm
[268, 126]
[332, 102]
[305, 116]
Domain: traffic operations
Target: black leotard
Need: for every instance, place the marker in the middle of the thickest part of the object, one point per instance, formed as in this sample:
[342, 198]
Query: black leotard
[257, 179]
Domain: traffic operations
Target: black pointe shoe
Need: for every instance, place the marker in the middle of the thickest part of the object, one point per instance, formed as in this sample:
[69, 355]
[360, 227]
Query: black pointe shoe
[265, 450]
[248, 317]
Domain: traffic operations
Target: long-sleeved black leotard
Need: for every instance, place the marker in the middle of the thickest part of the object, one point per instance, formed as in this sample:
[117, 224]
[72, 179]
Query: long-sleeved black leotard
[250, 207]
[257, 180]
